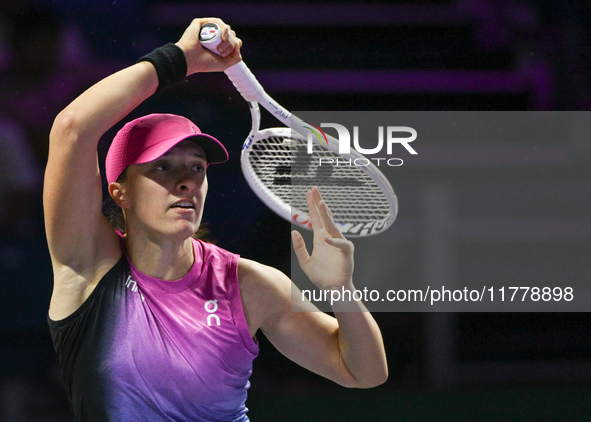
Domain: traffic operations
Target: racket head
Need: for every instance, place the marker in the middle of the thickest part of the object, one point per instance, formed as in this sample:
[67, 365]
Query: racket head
[278, 168]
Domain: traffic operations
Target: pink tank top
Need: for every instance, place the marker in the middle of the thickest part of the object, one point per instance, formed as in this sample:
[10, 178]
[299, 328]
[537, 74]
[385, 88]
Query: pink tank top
[141, 348]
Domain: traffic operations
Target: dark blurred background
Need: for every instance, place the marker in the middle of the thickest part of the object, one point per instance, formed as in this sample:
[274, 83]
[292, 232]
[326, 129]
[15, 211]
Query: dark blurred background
[419, 55]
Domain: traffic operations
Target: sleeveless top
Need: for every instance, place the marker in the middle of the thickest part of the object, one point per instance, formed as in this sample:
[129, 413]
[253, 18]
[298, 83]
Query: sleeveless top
[144, 349]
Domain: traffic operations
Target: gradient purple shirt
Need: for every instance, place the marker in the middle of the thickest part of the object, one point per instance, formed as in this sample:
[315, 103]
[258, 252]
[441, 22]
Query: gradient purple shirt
[144, 349]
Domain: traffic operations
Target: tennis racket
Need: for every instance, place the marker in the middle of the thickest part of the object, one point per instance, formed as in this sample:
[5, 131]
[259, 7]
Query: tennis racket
[279, 166]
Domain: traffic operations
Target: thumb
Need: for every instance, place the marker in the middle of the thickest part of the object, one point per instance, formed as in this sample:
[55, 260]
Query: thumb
[299, 247]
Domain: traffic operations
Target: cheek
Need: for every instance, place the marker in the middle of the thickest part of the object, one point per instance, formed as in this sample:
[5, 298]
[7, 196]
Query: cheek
[145, 195]
[204, 187]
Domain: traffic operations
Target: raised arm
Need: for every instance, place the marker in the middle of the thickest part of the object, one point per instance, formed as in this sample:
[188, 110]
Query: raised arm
[347, 349]
[82, 244]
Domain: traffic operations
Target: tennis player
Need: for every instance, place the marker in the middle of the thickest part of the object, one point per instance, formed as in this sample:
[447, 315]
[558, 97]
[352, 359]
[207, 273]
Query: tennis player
[150, 324]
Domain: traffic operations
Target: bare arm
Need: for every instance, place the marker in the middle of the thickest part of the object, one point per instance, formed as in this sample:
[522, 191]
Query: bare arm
[347, 349]
[331, 267]
[81, 243]
[72, 190]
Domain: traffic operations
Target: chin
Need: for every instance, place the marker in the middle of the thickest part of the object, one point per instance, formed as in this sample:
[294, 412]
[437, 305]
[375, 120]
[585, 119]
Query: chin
[180, 231]
[188, 231]
[181, 228]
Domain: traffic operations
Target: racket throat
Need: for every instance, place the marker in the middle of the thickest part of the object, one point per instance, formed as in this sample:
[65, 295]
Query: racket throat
[255, 114]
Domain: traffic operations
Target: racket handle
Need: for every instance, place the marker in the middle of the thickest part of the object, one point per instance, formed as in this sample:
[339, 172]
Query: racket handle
[245, 82]
[210, 36]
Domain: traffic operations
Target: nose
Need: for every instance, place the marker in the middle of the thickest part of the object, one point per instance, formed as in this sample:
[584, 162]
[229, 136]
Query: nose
[184, 181]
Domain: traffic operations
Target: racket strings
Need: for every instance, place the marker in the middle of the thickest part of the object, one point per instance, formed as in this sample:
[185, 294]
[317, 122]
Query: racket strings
[284, 166]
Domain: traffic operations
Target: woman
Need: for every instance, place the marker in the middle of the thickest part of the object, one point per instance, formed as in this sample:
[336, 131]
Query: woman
[149, 323]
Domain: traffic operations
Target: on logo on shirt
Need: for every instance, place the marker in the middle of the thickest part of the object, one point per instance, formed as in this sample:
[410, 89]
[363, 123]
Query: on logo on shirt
[211, 306]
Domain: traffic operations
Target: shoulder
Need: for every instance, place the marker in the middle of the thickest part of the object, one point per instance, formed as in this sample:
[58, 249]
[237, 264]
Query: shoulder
[209, 250]
[265, 280]
[255, 272]
[265, 290]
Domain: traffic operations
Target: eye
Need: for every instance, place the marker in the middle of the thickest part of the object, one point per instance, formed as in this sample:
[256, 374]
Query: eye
[198, 168]
[160, 166]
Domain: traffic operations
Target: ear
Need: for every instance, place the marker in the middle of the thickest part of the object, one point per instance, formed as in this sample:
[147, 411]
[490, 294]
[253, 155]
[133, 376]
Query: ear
[118, 193]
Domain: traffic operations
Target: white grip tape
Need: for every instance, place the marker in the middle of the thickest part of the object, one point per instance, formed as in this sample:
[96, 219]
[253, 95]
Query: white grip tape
[245, 82]
[240, 75]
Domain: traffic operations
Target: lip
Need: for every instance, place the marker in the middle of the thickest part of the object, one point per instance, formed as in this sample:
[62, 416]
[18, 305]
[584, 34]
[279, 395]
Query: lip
[188, 205]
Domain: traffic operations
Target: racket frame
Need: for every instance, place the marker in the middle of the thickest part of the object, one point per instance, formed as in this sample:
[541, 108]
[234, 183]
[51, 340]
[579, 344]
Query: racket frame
[252, 91]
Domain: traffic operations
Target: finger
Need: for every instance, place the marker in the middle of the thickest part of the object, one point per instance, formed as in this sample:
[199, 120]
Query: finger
[229, 42]
[313, 211]
[299, 247]
[327, 220]
[225, 32]
[236, 52]
[343, 244]
[315, 194]
[200, 59]
[228, 37]
[325, 213]
[317, 197]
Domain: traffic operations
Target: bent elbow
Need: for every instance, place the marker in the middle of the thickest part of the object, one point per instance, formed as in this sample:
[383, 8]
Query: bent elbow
[374, 381]
[367, 380]
[377, 381]
[64, 126]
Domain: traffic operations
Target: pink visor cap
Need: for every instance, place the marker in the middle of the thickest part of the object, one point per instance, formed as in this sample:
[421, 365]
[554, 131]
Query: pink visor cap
[147, 138]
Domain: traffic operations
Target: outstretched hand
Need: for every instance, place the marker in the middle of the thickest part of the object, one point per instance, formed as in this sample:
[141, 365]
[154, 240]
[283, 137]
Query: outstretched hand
[331, 264]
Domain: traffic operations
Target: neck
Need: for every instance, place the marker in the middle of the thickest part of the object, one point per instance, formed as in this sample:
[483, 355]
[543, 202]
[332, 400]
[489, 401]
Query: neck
[166, 260]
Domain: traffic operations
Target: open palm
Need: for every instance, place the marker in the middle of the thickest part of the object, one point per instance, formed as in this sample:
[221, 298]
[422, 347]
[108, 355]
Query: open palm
[330, 265]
